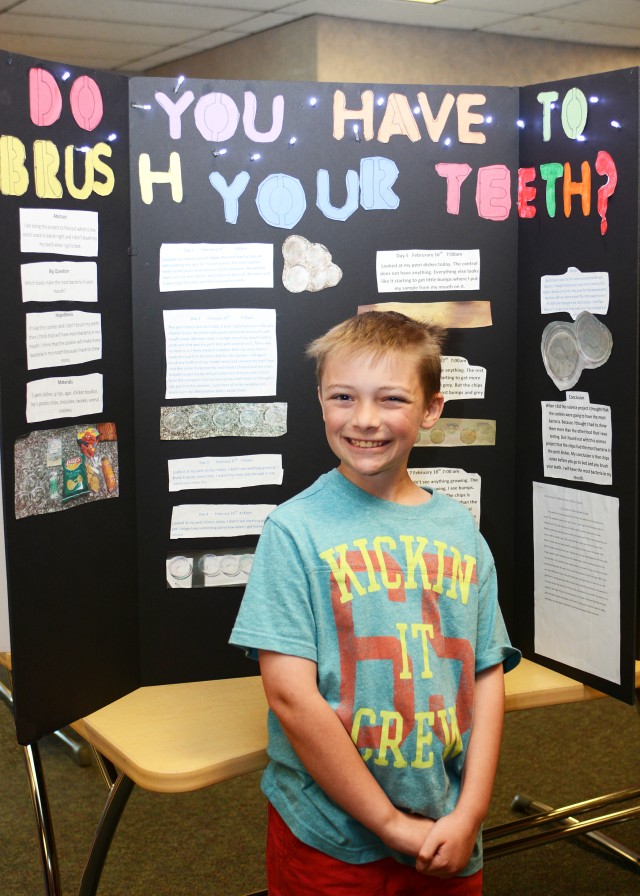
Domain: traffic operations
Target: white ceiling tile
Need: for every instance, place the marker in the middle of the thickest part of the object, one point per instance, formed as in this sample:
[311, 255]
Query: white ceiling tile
[209, 41]
[513, 8]
[261, 23]
[622, 13]
[575, 32]
[251, 5]
[142, 12]
[108, 31]
[93, 54]
[397, 12]
[143, 63]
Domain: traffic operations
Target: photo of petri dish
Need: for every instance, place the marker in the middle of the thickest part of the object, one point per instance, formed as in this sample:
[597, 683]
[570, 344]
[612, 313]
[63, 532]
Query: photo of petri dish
[209, 565]
[275, 415]
[594, 339]
[561, 354]
[180, 568]
[246, 562]
[485, 429]
[249, 418]
[224, 416]
[175, 421]
[230, 565]
[569, 348]
[296, 278]
[295, 248]
[199, 419]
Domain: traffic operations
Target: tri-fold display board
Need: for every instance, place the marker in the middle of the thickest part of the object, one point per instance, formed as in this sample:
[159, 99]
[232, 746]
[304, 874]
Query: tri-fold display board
[170, 248]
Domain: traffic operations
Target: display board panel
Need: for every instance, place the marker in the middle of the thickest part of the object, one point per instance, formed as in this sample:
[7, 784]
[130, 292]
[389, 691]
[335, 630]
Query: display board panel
[65, 369]
[279, 209]
[578, 378]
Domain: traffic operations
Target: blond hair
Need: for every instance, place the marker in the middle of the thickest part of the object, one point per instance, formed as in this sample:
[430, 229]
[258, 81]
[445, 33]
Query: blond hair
[380, 333]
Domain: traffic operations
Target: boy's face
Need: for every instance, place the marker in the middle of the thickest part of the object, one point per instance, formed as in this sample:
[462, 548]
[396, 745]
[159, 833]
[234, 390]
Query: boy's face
[373, 410]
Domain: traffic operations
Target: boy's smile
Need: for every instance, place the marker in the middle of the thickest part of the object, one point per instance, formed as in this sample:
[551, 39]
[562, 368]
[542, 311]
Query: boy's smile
[373, 409]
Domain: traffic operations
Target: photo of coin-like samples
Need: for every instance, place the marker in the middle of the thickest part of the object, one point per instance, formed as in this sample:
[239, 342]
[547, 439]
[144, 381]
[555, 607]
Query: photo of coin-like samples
[568, 347]
[457, 432]
[308, 266]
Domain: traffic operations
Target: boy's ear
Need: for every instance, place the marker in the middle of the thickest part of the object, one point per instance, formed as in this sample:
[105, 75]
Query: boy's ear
[433, 411]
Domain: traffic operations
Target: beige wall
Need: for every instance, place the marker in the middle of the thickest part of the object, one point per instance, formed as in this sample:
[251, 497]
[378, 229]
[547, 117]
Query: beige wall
[288, 53]
[361, 52]
[323, 48]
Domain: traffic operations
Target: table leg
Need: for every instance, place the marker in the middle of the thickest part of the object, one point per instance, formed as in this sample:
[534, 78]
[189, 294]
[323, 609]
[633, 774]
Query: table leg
[116, 802]
[526, 805]
[568, 826]
[46, 839]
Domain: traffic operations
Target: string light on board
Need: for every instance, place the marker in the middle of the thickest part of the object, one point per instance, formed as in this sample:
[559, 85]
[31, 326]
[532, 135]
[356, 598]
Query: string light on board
[179, 83]
[615, 124]
[145, 106]
[293, 141]
[65, 76]
[520, 123]
[313, 101]
[112, 137]
[255, 157]
[356, 131]
[219, 152]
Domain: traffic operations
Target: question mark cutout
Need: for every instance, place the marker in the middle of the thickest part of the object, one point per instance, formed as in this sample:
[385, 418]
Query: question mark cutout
[605, 165]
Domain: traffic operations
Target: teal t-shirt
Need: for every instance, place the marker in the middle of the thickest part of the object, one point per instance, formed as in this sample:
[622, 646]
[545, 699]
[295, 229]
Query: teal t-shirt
[398, 607]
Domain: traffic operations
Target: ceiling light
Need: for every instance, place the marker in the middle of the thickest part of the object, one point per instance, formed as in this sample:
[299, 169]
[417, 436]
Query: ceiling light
[432, 2]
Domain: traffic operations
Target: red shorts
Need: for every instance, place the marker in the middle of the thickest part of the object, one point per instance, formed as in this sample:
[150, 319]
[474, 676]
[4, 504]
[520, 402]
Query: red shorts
[295, 869]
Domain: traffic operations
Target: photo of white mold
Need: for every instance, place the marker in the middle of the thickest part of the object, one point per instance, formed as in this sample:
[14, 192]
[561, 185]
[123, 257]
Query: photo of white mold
[308, 266]
[209, 569]
[568, 347]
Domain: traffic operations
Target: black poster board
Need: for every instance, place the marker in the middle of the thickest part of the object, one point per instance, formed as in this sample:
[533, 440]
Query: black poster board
[602, 239]
[71, 574]
[197, 621]
[409, 169]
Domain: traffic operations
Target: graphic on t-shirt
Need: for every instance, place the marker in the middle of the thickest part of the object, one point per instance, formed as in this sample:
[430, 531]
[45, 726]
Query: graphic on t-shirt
[386, 598]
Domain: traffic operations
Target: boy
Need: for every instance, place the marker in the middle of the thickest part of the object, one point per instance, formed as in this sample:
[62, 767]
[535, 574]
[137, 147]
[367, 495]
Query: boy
[372, 604]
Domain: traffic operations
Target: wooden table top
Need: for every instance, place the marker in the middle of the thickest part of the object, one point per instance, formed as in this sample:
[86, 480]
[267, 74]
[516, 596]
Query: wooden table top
[179, 737]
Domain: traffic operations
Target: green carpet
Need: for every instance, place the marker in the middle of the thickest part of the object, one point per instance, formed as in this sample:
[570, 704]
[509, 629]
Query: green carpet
[211, 842]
